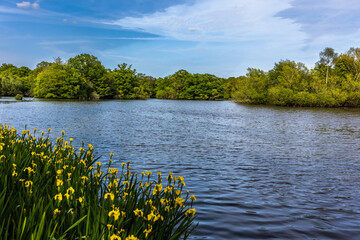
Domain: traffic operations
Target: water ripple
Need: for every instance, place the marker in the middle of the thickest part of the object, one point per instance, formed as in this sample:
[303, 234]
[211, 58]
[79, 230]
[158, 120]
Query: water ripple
[258, 172]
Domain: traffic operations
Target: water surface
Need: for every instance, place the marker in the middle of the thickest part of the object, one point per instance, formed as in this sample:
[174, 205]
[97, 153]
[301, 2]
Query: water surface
[258, 172]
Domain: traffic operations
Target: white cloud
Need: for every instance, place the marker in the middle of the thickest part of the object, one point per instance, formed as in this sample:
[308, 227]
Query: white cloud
[219, 20]
[26, 5]
[35, 6]
[225, 37]
[23, 4]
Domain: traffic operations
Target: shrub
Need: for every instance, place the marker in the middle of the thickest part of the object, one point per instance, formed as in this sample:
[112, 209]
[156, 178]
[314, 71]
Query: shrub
[305, 99]
[19, 97]
[52, 191]
[353, 99]
[281, 96]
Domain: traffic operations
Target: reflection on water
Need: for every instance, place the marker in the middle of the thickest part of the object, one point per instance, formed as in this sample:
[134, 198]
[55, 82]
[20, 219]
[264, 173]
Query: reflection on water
[257, 171]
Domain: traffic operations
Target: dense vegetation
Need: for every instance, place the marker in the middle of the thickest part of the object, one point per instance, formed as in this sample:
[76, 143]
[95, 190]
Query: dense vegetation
[333, 82]
[84, 77]
[52, 191]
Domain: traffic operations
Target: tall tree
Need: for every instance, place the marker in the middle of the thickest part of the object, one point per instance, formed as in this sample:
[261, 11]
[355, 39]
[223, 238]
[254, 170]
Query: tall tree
[92, 71]
[327, 58]
[59, 81]
[354, 53]
[126, 83]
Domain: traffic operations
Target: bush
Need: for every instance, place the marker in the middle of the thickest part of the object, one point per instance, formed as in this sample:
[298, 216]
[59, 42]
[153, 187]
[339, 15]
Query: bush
[353, 99]
[305, 99]
[281, 96]
[19, 97]
[52, 191]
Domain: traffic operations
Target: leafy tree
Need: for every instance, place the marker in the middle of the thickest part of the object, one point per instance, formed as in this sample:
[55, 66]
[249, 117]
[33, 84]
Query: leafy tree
[11, 84]
[229, 86]
[6, 66]
[13, 79]
[253, 87]
[289, 74]
[328, 59]
[59, 81]
[127, 83]
[147, 83]
[43, 64]
[288, 83]
[354, 54]
[58, 60]
[184, 85]
[93, 72]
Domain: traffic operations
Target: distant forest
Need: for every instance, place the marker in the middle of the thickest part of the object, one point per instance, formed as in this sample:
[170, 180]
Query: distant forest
[333, 82]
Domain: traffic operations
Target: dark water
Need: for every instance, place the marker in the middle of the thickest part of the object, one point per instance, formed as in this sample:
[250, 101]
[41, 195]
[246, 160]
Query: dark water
[258, 172]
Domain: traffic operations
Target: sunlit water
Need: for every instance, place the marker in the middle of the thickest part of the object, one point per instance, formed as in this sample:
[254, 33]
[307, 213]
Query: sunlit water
[258, 172]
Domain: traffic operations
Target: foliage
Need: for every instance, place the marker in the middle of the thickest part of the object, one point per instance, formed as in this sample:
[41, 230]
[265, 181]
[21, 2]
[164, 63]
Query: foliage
[19, 97]
[60, 81]
[327, 60]
[333, 82]
[55, 192]
[93, 73]
[252, 88]
[129, 85]
[13, 80]
[184, 85]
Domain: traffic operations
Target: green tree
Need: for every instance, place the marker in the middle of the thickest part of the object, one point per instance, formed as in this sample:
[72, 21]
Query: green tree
[60, 81]
[252, 88]
[127, 84]
[13, 80]
[328, 59]
[289, 74]
[6, 66]
[10, 83]
[354, 54]
[94, 73]
[184, 85]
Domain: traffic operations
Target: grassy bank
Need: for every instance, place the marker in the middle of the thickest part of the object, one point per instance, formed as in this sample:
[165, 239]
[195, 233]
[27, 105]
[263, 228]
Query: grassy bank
[52, 191]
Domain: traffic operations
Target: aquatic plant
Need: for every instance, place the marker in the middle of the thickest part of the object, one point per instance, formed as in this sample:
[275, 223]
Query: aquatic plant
[53, 191]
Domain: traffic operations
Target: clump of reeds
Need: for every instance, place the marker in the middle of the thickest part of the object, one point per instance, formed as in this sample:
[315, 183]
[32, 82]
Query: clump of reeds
[52, 191]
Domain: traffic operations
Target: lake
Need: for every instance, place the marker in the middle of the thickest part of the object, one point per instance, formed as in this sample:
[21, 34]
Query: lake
[258, 172]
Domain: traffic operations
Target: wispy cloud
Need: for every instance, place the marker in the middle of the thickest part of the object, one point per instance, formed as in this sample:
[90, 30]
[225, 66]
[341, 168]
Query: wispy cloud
[223, 37]
[119, 56]
[8, 10]
[130, 38]
[48, 43]
[218, 20]
[229, 35]
[23, 5]
[320, 18]
[35, 6]
[27, 5]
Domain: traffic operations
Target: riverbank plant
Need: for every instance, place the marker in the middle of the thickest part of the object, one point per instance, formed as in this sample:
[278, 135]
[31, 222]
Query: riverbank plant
[19, 97]
[52, 191]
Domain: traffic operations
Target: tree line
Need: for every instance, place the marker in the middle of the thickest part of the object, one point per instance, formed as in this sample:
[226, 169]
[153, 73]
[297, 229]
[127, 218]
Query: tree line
[333, 82]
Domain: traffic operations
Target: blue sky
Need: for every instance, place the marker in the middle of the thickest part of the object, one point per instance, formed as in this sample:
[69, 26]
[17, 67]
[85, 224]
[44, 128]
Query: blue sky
[159, 37]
